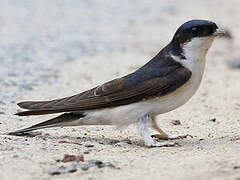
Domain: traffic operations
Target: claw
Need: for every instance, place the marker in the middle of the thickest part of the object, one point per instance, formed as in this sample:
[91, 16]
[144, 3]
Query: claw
[162, 144]
[171, 137]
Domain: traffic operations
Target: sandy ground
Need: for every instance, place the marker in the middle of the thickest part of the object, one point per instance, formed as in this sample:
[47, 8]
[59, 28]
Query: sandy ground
[124, 36]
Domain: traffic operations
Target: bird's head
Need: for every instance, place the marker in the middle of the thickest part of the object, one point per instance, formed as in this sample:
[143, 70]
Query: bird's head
[195, 37]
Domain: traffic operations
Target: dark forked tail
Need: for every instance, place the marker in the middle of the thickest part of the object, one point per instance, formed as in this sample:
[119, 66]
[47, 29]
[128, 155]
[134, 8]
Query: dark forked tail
[38, 108]
[66, 119]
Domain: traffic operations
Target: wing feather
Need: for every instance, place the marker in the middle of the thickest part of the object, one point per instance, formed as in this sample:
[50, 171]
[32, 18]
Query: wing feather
[116, 92]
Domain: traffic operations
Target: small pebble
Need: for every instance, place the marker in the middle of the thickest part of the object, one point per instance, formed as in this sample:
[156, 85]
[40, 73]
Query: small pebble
[213, 119]
[100, 164]
[176, 122]
[89, 145]
[97, 163]
[72, 169]
[69, 158]
[86, 152]
[84, 167]
[56, 159]
[55, 173]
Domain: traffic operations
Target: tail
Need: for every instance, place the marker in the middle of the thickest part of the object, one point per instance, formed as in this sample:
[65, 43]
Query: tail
[37, 108]
[37, 112]
[66, 119]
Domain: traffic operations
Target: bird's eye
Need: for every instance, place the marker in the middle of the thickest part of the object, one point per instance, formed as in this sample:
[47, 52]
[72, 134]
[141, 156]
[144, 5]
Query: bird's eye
[195, 30]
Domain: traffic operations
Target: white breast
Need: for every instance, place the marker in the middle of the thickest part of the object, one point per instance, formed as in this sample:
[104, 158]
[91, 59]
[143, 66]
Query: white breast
[181, 95]
[195, 53]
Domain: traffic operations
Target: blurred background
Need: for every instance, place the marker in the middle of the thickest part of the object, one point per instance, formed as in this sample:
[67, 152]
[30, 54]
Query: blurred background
[53, 48]
[38, 37]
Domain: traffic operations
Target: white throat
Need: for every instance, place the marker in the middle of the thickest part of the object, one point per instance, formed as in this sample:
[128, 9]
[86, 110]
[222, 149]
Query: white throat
[195, 52]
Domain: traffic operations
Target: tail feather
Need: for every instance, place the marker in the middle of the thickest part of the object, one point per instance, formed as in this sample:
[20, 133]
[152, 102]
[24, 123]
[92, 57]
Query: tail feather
[32, 105]
[37, 112]
[66, 119]
[39, 108]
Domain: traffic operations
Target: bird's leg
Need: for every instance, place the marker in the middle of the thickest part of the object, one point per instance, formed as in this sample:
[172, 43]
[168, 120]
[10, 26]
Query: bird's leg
[163, 135]
[143, 123]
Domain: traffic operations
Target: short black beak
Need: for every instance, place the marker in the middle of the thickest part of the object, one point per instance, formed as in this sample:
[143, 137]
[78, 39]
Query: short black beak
[219, 32]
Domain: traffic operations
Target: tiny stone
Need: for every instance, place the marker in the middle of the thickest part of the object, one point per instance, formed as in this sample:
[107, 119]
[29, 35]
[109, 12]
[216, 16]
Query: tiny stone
[84, 167]
[89, 145]
[176, 122]
[97, 163]
[72, 169]
[213, 119]
[55, 173]
[92, 162]
[68, 158]
[86, 152]
[56, 159]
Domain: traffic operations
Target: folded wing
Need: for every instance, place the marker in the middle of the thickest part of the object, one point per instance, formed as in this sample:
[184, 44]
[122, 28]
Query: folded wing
[113, 93]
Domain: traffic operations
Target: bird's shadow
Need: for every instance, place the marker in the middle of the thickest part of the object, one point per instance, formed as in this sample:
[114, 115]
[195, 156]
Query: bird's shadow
[186, 143]
[82, 139]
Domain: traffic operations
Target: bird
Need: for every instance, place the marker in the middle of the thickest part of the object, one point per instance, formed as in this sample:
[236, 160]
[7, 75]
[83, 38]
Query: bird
[163, 84]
